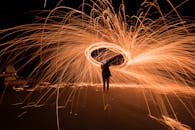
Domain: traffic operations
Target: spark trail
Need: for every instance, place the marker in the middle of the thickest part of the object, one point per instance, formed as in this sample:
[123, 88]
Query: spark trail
[155, 53]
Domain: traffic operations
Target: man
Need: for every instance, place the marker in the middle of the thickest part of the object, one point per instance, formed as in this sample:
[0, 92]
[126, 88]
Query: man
[105, 75]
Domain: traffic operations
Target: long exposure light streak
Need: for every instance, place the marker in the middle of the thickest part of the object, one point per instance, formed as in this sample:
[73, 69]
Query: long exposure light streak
[157, 53]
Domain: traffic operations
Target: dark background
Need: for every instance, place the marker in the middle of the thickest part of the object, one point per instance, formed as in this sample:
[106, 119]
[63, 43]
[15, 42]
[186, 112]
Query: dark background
[16, 12]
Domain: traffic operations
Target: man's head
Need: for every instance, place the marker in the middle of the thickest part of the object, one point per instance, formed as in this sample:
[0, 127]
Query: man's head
[104, 62]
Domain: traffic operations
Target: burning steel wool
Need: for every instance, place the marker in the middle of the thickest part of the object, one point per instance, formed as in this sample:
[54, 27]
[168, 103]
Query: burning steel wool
[153, 54]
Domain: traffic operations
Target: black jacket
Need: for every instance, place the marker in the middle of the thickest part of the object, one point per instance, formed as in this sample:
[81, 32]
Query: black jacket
[105, 71]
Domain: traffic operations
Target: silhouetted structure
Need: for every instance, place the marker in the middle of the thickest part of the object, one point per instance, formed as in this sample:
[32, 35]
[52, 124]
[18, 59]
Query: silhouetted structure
[9, 79]
[105, 75]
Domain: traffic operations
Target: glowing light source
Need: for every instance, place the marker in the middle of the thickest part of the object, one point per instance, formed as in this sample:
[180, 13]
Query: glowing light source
[108, 51]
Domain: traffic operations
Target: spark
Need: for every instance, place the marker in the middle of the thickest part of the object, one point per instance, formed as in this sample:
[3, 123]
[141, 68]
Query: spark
[156, 53]
[173, 124]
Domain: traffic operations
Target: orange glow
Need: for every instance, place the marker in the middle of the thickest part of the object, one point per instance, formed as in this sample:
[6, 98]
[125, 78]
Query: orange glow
[158, 53]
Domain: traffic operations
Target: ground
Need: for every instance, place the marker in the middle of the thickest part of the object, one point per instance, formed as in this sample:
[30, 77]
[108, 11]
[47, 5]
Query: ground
[85, 108]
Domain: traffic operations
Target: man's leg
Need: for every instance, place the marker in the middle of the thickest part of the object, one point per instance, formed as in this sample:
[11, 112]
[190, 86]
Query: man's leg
[104, 83]
[108, 79]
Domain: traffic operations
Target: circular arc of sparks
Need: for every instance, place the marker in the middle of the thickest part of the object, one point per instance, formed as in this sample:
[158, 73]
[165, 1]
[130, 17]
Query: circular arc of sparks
[111, 46]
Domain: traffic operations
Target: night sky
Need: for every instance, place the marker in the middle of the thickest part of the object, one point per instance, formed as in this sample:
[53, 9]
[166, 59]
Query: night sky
[16, 12]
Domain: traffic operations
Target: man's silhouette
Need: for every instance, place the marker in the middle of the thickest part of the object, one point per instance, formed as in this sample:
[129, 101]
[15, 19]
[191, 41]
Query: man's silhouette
[105, 75]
